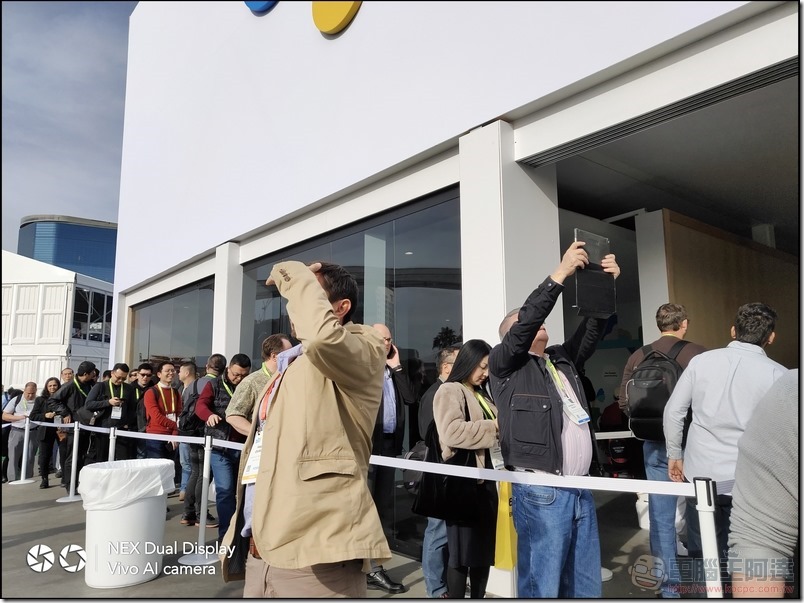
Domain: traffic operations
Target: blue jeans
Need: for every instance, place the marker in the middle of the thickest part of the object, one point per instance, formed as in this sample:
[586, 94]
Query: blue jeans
[184, 459]
[159, 449]
[558, 545]
[434, 557]
[662, 517]
[225, 463]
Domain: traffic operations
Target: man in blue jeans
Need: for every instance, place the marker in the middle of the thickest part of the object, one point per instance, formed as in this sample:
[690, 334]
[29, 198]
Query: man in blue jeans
[544, 428]
[434, 545]
[225, 462]
[672, 322]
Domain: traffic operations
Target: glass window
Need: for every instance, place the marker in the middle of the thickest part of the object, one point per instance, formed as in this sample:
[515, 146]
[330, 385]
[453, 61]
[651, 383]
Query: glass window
[96, 316]
[81, 314]
[407, 266]
[176, 327]
[107, 320]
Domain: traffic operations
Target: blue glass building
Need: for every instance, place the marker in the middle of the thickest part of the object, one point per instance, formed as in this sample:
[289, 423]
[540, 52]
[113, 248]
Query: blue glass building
[85, 246]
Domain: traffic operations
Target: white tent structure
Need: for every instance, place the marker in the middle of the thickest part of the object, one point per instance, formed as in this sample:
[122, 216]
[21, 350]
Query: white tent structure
[52, 318]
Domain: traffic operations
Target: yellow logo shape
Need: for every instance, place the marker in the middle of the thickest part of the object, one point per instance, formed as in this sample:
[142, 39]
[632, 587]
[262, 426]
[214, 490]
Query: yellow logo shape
[333, 17]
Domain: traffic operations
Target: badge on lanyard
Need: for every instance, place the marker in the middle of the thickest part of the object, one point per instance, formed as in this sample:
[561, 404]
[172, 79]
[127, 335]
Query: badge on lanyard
[496, 456]
[172, 416]
[574, 411]
[253, 463]
[117, 412]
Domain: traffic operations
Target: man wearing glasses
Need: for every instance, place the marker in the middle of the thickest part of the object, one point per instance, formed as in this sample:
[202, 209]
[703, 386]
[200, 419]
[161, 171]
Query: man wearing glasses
[114, 402]
[389, 432]
[211, 408]
[162, 408]
[434, 545]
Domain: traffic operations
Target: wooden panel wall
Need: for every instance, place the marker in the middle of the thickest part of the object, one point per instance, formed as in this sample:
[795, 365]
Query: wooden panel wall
[713, 272]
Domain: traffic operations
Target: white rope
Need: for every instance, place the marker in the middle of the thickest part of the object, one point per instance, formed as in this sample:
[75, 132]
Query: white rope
[541, 479]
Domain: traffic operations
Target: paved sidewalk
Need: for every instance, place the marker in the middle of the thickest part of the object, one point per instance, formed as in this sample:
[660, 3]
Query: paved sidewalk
[31, 516]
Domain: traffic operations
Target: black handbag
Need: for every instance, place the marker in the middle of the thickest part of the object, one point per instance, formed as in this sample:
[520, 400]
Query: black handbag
[455, 499]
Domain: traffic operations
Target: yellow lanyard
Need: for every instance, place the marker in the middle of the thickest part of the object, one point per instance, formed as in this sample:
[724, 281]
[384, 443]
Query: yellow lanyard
[112, 391]
[79, 387]
[484, 404]
[556, 378]
[164, 402]
[266, 371]
[230, 392]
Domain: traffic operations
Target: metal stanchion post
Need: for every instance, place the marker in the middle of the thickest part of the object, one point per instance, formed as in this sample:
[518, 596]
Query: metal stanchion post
[202, 558]
[72, 496]
[112, 442]
[25, 479]
[705, 497]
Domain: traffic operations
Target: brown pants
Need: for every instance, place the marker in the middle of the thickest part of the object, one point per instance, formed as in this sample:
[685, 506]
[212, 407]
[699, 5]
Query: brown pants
[343, 579]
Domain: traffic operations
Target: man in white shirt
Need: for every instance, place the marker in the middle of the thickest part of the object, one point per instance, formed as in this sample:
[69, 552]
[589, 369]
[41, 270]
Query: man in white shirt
[16, 411]
[723, 388]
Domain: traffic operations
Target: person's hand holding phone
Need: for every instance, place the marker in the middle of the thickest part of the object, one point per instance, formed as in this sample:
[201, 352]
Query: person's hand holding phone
[392, 359]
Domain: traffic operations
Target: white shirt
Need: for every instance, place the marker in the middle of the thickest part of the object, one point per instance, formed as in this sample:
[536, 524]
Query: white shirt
[723, 387]
[22, 407]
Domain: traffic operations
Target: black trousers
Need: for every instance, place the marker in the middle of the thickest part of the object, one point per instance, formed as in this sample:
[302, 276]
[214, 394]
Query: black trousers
[192, 492]
[83, 447]
[381, 481]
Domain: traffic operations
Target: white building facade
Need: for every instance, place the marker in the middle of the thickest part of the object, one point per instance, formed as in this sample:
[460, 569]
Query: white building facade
[423, 147]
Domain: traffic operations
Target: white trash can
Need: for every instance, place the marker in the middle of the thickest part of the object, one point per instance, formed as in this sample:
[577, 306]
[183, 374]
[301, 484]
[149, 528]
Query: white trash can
[125, 503]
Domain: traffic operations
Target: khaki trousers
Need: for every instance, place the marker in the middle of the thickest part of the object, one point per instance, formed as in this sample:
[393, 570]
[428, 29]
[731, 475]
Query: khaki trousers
[343, 579]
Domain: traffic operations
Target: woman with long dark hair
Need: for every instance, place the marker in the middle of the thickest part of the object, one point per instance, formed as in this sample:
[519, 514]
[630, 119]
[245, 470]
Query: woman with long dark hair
[47, 435]
[470, 545]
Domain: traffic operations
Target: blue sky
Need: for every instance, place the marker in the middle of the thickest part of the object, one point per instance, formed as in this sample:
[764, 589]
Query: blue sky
[63, 89]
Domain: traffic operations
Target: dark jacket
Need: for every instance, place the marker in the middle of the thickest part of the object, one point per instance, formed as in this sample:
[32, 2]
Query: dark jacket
[426, 407]
[404, 397]
[139, 401]
[98, 401]
[41, 406]
[213, 399]
[70, 397]
[530, 409]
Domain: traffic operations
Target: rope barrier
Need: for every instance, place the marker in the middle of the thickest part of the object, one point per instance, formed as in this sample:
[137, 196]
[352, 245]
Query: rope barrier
[702, 489]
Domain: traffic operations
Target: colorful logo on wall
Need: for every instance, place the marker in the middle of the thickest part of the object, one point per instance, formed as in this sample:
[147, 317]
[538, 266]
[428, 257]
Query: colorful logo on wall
[329, 17]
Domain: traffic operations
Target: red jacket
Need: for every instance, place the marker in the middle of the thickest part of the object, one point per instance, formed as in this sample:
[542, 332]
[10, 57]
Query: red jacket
[158, 405]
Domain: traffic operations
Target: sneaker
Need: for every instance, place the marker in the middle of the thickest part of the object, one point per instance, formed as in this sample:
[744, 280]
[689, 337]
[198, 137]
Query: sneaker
[211, 521]
[58, 474]
[188, 520]
[181, 496]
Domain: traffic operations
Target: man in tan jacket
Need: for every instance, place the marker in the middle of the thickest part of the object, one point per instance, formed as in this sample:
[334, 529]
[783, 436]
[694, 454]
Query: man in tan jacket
[307, 518]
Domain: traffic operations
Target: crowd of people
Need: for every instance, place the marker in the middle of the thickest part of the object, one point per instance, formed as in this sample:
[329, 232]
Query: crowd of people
[305, 513]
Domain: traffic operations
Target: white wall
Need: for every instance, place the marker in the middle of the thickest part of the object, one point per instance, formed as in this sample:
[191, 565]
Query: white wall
[234, 121]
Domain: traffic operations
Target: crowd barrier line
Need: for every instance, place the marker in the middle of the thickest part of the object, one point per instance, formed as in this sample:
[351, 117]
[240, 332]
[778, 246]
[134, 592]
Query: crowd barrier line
[702, 489]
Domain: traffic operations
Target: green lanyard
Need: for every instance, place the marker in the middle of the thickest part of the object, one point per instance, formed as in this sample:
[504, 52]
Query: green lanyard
[231, 393]
[266, 371]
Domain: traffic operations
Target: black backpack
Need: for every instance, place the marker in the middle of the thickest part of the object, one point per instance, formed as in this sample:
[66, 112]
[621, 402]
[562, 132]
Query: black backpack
[649, 389]
[189, 424]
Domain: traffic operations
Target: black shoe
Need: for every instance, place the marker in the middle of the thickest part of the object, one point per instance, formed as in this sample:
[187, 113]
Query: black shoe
[44, 484]
[58, 474]
[382, 581]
